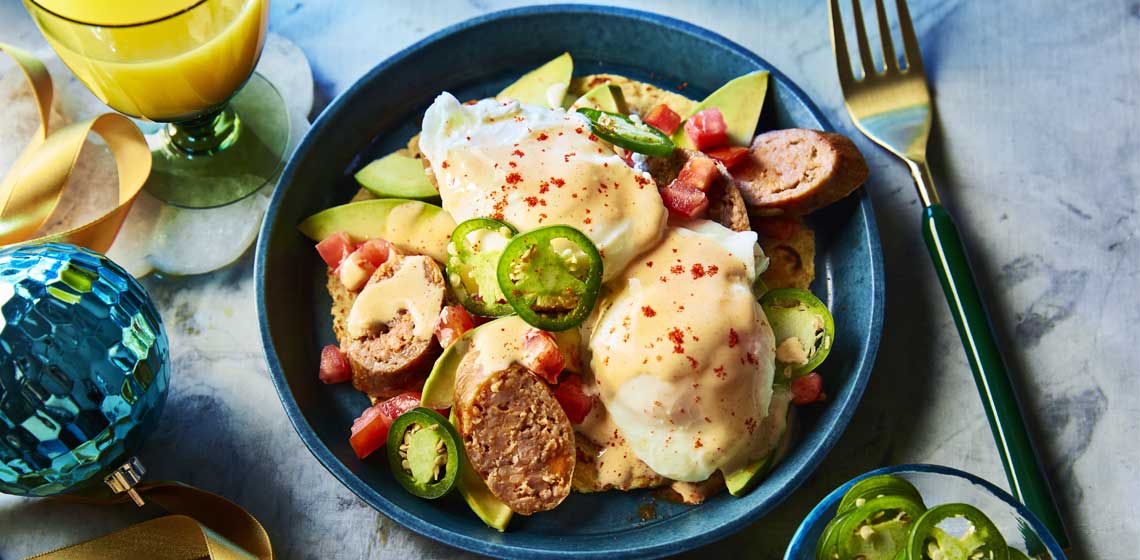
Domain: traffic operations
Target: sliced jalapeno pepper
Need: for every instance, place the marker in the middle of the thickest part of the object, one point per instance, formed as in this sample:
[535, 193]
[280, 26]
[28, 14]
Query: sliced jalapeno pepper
[827, 548]
[875, 487]
[878, 529]
[424, 453]
[551, 276]
[803, 327]
[472, 257]
[981, 539]
[620, 130]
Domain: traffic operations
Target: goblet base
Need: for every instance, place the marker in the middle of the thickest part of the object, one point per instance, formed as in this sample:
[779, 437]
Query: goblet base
[231, 157]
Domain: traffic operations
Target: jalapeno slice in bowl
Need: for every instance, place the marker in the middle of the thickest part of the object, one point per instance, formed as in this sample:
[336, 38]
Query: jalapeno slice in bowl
[875, 487]
[827, 548]
[878, 529]
[620, 130]
[980, 540]
[803, 327]
[551, 276]
[424, 453]
[473, 256]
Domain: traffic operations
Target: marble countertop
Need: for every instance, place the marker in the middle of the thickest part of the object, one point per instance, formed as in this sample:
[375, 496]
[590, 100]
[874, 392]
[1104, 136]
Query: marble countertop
[1037, 150]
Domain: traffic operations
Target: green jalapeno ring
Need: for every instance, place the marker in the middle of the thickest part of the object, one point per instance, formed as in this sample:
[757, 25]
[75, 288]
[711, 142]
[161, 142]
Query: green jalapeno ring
[549, 290]
[827, 548]
[982, 536]
[620, 130]
[877, 486]
[463, 247]
[794, 312]
[474, 264]
[424, 453]
[878, 529]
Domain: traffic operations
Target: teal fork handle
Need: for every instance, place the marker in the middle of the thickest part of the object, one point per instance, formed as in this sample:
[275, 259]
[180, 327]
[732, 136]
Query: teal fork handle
[1026, 477]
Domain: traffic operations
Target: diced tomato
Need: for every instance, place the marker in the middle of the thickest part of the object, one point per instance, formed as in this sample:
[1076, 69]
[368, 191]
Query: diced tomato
[335, 248]
[370, 431]
[730, 156]
[684, 200]
[374, 251]
[699, 173]
[707, 129]
[778, 228]
[334, 365]
[542, 356]
[453, 321]
[573, 399]
[807, 389]
[663, 118]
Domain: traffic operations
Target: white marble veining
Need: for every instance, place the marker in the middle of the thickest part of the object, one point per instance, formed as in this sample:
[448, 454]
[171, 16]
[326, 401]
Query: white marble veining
[1037, 152]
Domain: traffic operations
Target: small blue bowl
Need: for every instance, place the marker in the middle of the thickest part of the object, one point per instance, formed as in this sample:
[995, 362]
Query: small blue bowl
[475, 59]
[941, 485]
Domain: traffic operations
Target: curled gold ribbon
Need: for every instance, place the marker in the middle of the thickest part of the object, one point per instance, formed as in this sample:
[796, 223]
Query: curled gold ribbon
[33, 187]
[204, 525]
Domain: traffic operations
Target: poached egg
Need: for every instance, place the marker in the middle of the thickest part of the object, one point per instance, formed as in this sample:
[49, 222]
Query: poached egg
[532, 166]
[683, 355]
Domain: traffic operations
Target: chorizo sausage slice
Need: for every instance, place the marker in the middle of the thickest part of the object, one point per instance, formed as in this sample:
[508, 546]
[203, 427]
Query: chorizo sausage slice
[385, 362]
[516, 435]
[796, 171]
[726, 205]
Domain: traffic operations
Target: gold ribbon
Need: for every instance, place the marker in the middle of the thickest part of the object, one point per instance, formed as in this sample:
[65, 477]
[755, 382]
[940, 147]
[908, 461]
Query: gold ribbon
[204, 525]
[33, 187]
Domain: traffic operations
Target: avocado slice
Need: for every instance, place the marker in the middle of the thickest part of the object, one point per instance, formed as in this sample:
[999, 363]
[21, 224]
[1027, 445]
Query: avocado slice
[775, 430]
[545, 85]
[439, 393]
[397, 176]
[606, 97]
[439, 388]
[479, 498]
[740, 101]
[410, 224]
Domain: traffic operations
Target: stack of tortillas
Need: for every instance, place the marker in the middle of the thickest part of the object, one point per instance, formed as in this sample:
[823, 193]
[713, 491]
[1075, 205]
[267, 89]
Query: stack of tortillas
[155, 237]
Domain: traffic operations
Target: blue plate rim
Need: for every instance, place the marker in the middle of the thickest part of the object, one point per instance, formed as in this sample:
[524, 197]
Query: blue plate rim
[862, 366]
[824, 505]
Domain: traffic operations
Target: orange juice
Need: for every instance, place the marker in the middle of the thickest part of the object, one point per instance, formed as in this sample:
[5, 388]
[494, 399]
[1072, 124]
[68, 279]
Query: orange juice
[162, 60]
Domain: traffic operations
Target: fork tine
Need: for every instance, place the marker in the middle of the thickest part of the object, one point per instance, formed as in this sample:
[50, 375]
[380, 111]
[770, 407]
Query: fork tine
[910, 40]
[861, 38]
[890, 60]
[839, 44]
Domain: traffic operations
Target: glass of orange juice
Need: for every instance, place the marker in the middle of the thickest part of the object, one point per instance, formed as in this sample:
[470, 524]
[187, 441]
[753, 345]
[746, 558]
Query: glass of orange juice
[188, 65]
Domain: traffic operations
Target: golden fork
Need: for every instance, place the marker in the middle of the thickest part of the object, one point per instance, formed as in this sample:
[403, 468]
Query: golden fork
[891, 106]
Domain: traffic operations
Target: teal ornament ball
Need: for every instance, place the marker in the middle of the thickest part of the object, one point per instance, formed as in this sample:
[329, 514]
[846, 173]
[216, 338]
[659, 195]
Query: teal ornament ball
[84, 368]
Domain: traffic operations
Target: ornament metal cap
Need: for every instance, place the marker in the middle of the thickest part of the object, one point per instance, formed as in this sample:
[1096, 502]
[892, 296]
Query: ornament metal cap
[126, 477]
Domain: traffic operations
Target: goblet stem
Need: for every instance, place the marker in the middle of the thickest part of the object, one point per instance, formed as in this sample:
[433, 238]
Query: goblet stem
[206, 134]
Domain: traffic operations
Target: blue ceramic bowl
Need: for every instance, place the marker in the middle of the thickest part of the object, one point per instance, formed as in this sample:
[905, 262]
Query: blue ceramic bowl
[476, 59]
[941, 485]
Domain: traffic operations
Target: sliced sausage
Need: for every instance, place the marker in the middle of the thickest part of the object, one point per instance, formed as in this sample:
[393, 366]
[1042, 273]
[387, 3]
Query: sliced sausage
[516, 435]
[726, 205]
[797, 171]
[385, 364]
